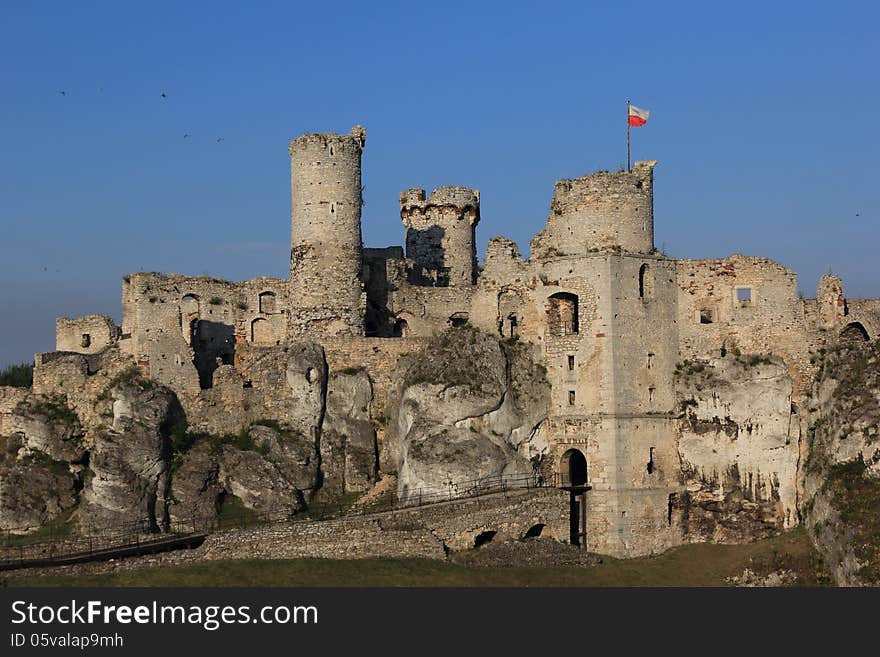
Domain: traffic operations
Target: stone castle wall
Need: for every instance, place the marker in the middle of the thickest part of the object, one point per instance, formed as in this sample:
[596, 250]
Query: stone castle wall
[87, 335]
[745, 303]
[377, 356]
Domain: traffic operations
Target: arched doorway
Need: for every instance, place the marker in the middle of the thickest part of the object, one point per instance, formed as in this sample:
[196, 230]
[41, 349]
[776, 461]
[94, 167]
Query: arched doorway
[573, 475]
[854, 332]
[573, 468]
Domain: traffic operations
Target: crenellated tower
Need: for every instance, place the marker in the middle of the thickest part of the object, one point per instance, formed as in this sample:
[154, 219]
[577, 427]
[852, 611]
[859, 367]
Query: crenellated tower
[440, 232]
[327, 296]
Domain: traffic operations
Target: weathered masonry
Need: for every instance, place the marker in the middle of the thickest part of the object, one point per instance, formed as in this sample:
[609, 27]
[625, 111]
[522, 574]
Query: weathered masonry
[676, 387]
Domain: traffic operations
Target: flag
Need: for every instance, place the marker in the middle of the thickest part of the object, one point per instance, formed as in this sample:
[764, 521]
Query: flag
[637, 117]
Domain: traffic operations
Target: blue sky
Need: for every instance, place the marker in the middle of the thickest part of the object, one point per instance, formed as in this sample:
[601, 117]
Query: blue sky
[762, 120]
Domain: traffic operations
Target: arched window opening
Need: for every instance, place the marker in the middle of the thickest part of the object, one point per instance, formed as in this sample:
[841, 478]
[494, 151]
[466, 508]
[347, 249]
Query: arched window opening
[267, 302]
[573, 468]
[483, 538]
[534, 531]
[189, 305]
[562, 313]
[854, 332]
[457, 320]
[400, 329]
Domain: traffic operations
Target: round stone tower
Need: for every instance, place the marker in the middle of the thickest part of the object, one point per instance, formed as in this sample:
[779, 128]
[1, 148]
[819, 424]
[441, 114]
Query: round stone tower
[326, 293]
[440, 234]
[603, 212]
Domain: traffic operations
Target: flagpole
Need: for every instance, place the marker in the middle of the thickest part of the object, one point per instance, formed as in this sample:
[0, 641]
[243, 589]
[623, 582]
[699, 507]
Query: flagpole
[628, 167]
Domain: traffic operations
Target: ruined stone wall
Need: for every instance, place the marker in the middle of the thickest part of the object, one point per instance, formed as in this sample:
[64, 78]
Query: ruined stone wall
[712, 314]
[179, 327]
[830, 302]
[865, 312]
[601, 212]
[10, 397]
[82, 381]
[378, 356]
[440, 236]
[87, 335]
[425, 311]
[326, 246]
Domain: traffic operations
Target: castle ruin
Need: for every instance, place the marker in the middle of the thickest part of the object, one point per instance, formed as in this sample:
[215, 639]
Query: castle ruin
[640, 443]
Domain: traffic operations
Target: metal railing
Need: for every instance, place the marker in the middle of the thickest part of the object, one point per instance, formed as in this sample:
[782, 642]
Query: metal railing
[144, 536]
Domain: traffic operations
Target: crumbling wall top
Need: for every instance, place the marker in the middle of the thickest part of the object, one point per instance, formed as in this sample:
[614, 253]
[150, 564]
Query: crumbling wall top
[453, 196]
[356, 136]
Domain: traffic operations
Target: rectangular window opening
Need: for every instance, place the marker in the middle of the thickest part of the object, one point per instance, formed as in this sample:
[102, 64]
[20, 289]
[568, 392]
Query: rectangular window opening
[706, 316]
[571, 363]
[571, 397]
[744, 295]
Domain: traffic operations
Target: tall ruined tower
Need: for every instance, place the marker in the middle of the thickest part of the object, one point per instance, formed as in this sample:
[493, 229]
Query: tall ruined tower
[440, 234]
[603, 212]
[327, 296]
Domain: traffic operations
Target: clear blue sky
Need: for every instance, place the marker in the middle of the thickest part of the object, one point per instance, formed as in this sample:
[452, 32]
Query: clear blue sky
[762, 120]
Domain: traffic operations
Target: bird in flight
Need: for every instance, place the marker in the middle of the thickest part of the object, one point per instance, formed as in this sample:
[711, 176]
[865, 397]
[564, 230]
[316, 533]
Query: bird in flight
[186, 135]
[163, 95]
[63, 93]
[219, 139]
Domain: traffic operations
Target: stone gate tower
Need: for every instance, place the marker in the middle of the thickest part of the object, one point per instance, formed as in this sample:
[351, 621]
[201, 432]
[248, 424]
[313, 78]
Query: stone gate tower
[327, 296]
[440, 234]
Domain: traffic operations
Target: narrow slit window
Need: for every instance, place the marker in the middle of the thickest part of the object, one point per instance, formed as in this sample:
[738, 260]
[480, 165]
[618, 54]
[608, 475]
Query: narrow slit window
[571, 363]
[571, 397]
[650, 360]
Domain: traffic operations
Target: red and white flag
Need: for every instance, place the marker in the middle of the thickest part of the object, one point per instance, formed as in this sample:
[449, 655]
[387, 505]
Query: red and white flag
[637, 117]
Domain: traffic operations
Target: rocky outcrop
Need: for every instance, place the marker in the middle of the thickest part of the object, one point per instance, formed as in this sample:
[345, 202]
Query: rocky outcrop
[34, 488]
[50, 427]
[270, 476]
[349, 460]
[738, 447]
[842, 474]
[258, 482]
[130, 460]
[466, 408]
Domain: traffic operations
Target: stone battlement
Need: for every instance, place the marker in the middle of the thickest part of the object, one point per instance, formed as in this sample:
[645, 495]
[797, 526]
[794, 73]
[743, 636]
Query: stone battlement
[460, 198]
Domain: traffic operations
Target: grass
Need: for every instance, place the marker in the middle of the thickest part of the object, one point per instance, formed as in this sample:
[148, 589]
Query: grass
[856, 497]
[18, 376]
[233, 512]
[55, 409]
[60, 527]
[691, 565]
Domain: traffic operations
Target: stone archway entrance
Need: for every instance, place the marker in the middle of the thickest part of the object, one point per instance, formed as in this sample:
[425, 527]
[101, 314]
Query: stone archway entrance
[574, 476]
